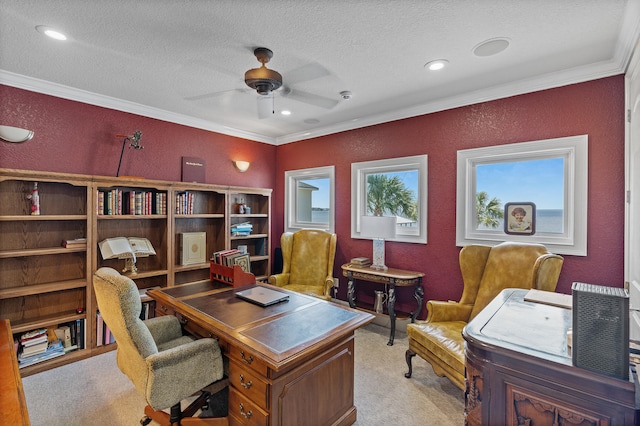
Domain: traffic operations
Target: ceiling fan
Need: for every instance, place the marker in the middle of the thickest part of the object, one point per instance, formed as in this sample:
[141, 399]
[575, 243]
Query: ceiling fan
[266, 82]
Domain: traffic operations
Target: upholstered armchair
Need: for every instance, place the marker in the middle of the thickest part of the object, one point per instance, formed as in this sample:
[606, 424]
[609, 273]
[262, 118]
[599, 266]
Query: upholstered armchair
[164, 366]
[486, 271]
[307, 257]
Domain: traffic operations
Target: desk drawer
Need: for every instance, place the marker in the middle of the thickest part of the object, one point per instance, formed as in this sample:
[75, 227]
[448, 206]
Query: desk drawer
[196, 330]
[248, 359]
[248, 383]
[243, 411]
[162, 309]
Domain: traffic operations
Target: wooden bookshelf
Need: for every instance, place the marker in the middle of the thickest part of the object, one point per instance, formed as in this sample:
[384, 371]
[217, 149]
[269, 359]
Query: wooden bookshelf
[42, 284]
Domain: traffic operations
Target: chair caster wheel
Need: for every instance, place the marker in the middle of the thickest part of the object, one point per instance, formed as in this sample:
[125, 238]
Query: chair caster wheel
[145, 421]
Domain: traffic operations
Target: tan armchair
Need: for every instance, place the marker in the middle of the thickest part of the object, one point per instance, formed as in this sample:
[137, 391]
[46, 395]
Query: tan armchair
[164, 366]
[486, 271]
[308, 257]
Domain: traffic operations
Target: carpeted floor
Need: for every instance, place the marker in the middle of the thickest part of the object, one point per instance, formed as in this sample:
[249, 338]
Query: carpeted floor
[94, 392]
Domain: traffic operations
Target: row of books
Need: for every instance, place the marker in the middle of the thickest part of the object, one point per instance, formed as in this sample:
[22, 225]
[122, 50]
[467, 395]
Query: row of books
[241, 229]
[232, 257]
[118, 202]
[103, 332]
[184, 202]
[46, 343]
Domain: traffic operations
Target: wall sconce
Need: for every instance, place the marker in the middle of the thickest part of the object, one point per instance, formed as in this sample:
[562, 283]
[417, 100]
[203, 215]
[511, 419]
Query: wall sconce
[378, 228]
[15, 134]
[243, 166]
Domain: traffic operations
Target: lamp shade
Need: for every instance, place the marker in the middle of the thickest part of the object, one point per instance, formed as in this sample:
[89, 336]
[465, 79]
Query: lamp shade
[383, 227]
[15, 134]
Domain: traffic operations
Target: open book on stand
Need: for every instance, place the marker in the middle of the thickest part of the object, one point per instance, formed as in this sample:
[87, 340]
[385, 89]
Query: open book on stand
[123, 247]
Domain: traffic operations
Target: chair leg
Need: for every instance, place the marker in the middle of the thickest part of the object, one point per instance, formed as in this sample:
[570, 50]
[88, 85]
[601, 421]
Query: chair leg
[183, 418]
[409, 356]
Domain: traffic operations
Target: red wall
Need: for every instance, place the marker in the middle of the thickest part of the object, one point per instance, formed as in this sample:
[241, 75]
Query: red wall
[75, 137]
[78, 138]
[595, 108]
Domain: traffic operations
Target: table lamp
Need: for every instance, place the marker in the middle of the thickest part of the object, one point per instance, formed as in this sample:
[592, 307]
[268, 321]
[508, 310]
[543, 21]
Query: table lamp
[378, 228]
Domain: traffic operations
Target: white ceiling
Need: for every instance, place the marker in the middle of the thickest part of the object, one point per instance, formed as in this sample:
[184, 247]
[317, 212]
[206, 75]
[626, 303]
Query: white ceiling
[158, 58]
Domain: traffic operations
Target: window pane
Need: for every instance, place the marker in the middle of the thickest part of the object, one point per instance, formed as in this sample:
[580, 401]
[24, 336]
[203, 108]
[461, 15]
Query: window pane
[313, 200]
[537, 181]
[394, 194]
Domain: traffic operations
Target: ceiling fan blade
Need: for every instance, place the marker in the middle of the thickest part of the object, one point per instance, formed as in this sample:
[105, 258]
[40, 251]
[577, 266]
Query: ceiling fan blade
[209, 95]
[310, 98]
[305, 73]
[265, 106]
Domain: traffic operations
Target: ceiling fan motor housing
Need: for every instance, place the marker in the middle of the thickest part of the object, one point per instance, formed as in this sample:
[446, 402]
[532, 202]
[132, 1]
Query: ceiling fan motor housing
[262, 79]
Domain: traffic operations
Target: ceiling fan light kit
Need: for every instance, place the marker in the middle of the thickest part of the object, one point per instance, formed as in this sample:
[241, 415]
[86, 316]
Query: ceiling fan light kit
[262, 79]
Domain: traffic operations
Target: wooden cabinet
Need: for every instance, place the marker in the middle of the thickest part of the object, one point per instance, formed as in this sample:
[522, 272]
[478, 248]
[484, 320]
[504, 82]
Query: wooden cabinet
[519, 371]
[198, 208]
[42, 283]
[256, 212]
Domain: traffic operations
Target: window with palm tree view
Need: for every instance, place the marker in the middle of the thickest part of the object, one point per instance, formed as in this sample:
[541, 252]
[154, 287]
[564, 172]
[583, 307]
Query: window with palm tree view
[549, 175]
[392, 187]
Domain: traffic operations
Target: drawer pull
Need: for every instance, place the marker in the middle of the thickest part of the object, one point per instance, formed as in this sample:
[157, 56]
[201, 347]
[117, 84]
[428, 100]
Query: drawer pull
[163, 308]
[246, 415]
[245, 385]
[246, 360]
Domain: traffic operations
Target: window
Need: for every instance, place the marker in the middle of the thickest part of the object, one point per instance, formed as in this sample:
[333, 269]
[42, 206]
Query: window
[550, 175]
[309, 199]
[392, 187]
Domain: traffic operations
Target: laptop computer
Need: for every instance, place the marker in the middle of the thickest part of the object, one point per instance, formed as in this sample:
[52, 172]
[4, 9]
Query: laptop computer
[262, 296]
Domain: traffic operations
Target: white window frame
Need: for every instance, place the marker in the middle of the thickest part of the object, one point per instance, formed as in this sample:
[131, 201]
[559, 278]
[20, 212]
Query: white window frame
[574, 150]
[291, 178]
[359, 172]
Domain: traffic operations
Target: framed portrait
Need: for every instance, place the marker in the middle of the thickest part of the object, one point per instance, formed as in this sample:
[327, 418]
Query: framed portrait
[520, 218]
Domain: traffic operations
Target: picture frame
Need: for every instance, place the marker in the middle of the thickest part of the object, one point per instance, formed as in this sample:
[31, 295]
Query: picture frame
[520, 218]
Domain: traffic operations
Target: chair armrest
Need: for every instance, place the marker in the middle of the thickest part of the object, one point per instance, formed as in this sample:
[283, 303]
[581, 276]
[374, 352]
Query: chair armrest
[279, 279]
[328, 284]
[164, 328]
[439, 311]
[197, 364]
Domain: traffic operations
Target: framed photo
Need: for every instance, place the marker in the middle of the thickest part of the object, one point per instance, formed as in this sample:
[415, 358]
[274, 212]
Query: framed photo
[520, 218]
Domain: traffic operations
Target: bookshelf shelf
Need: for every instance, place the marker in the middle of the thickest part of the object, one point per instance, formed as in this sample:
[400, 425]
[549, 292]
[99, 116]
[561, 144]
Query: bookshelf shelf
[40, 251]
[29, 290]
[73, 207]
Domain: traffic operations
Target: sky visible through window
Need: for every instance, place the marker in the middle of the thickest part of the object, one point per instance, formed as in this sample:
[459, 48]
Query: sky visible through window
[537, 181]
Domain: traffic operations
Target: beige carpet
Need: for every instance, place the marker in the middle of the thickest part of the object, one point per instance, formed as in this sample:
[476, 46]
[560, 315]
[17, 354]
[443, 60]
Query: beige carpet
[94, 392]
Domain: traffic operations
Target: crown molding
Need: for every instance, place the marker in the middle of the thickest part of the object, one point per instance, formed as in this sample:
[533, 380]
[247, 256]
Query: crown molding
[79, 95]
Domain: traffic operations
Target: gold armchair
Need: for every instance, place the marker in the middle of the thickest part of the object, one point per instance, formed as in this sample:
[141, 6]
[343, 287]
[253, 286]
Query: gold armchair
[308, 257]
[164, 366]
[486, 271]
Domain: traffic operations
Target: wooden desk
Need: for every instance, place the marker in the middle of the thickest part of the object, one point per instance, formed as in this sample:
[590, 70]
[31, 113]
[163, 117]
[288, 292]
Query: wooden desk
[13, 405]
[291, 363]
[391, 277]
[519, 371]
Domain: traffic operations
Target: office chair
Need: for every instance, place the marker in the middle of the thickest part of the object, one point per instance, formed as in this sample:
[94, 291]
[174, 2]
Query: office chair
[164, 366]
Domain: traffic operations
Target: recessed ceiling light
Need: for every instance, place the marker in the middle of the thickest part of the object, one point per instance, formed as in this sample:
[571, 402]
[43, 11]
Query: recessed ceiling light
[50, 32]
[491, 47]
[436, 65]
[285, 112]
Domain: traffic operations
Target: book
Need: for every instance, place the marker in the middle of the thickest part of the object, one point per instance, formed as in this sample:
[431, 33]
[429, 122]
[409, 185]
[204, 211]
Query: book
[75, 243]
[64, 335]
[35, 348]
[549, 298]
[52, 350]
[193, 169]
[193, 248]
[124, 247]
[364, 261]
[243, 260]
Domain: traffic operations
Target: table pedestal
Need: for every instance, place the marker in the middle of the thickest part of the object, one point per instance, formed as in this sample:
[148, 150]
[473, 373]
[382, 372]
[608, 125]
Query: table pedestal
[391, 277]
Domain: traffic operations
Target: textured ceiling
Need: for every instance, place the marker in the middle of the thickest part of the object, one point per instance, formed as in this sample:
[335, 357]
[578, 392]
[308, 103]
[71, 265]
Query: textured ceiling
[184, 61]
